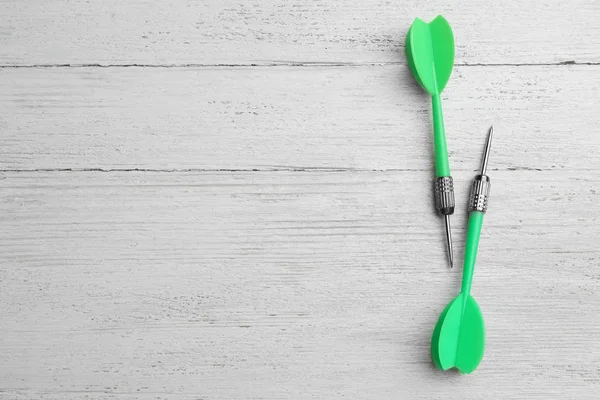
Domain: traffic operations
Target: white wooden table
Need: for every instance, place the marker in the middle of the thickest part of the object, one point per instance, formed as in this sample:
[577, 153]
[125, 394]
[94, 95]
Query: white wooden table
[232, 199]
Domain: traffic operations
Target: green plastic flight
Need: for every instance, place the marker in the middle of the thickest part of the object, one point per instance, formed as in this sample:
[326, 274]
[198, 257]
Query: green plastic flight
[430, 54]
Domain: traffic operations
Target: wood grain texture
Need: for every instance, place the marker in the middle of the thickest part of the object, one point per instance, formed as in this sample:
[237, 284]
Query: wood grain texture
[231, 200]
[278, 31]
[370, 117]
[276, 285]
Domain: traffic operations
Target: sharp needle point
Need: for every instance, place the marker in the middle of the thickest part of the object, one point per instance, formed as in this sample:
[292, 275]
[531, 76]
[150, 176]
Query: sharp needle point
[486, 154]
[449, 240]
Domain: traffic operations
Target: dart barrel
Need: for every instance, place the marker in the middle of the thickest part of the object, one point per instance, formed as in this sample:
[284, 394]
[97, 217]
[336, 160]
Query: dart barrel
[480, 193]
[444, 195]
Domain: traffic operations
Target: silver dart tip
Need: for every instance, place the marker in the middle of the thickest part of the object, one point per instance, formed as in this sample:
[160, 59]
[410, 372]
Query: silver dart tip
[486, 155]
[449, 240]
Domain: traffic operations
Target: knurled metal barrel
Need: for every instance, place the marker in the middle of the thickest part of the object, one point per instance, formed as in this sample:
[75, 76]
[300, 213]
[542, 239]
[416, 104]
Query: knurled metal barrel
[444, 195]
[480, 193]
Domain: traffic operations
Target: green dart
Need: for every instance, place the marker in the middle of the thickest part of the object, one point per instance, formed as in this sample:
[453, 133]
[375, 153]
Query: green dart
[430, 54]
[459, 337]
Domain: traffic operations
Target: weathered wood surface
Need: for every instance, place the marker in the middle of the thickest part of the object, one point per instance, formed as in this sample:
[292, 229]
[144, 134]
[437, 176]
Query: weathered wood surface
[278, 285]
[369, 117]
[278, 31]
[246, 213]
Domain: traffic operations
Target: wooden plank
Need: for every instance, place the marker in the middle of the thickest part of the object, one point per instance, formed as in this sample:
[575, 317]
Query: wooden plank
[272, 285]
[279, 31]
[372, 117]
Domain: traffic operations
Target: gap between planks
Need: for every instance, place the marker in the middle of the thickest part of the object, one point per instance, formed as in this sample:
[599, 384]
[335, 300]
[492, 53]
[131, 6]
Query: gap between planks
[242, 170]
[283, 64]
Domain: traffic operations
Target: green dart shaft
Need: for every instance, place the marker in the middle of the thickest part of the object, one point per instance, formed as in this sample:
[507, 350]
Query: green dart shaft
[478, 202]
[442, 166]
[473, 234]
